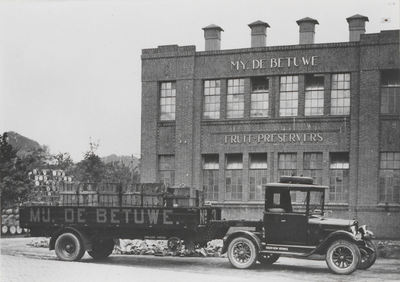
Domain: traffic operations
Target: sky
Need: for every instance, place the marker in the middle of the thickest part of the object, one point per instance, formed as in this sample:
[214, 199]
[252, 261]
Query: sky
[70, 71]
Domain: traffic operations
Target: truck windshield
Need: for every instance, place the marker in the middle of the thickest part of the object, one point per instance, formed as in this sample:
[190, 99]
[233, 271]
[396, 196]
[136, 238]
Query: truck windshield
[299, 201]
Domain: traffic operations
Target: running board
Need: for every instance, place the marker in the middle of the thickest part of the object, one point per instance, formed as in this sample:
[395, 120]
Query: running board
[288, 249]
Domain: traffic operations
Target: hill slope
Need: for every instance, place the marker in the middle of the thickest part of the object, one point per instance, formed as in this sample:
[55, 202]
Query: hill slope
[23, 143]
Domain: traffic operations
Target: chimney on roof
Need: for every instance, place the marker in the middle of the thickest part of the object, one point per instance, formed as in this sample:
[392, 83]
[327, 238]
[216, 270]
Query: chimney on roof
[307, 30]
[212, 35]
[356, 26]
[258, 34]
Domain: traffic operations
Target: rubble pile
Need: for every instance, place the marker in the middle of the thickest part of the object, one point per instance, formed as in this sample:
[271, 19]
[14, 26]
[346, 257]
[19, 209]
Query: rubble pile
[160, 248]
[40, 243]
[152, 247]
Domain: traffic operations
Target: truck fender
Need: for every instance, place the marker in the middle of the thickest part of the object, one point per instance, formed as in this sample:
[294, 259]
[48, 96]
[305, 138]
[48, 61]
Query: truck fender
[250, 235]
[82, 235]
[336, 235]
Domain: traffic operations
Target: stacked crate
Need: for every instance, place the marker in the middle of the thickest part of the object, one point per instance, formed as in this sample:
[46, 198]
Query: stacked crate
[68, 192]
[10, 222]
[47, 185]
[109, 194]
[152, 194]
[53, 187]
[88, 194]
[182, 197]
[131, 195]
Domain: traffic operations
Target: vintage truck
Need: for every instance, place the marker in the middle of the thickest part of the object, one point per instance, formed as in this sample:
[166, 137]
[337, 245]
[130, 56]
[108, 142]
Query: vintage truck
[293, 224]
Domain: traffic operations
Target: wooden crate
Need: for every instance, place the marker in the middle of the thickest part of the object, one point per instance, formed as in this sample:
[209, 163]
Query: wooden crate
[131, 187]
[181, 191]
[181, 202]
[89, 187]
[109, 194]
[88, 199]
[68, 199]
[200, 198]
[67, 187]
[107, 187]
[152, 188]
[131, 199]
[156, 200]
[109, 199]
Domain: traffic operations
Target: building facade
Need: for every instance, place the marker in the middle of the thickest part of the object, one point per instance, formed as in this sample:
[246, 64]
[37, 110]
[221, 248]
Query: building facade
[229, 121]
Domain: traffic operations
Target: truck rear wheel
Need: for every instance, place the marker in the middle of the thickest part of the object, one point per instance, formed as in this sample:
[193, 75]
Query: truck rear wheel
[368, 256]
[242, 253]
[102, 248]
[69, 247]
[343, 257]
[267, 259]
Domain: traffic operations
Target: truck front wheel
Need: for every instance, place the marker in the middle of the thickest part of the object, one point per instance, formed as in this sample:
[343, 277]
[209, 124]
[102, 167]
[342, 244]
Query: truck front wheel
[343, 257]
[242, 253]
[69, 247]
[368, 255]
[102, 248]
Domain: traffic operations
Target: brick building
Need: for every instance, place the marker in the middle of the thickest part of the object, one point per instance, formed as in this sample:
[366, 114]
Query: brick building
[229, 121]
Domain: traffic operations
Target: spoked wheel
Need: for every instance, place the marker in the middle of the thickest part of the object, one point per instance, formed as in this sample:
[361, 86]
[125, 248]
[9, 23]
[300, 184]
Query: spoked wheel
[69, 247]
[174, 244]
[242, 253]
[343, 257]
[102, 248]
[267, 259]
[368, 255]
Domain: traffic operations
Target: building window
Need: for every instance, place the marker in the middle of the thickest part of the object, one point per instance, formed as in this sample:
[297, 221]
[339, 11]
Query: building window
[258, 175]
[233, 177]
[167, 101]
[166, 169]
[212, 89]
[339, 177]
[314, 100]
[259, 97]
[390, 92]
[287, 164]
[340, 94]
[389, 178]
[312, 166]
[289, 96]
[235, 98]
[211, 177]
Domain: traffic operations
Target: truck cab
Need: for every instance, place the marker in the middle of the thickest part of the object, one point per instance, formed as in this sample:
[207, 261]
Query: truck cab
[289, 213]
[294, 225]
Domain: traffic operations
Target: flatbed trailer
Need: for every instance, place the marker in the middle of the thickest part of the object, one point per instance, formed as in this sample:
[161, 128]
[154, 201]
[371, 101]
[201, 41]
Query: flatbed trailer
[76, 229]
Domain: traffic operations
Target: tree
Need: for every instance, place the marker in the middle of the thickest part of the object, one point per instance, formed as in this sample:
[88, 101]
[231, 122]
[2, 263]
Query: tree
[91, 168]
[14, 184]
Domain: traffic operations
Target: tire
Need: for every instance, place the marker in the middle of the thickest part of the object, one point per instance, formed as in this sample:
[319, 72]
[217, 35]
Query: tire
[268, 259]
[343, 257]
[285, 179]
[242, 253]
[69, 247]
[174, 244]
[102, 248]
[368, 257]
[302, 180]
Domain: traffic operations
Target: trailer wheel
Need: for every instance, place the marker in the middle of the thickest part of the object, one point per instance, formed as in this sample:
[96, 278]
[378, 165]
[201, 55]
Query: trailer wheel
[242, 253]
[343, 257]
[174, 244]
[69, 247]
[368, 257]
[267, 259]
[102, 248]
